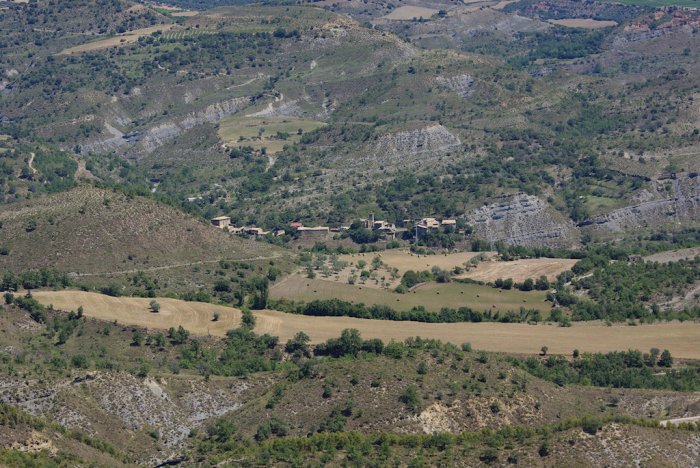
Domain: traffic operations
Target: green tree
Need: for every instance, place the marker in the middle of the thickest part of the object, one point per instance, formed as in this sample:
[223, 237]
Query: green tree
[666, 360]
[137, 338]
[260, 290]
[409, 397]
[247, 319]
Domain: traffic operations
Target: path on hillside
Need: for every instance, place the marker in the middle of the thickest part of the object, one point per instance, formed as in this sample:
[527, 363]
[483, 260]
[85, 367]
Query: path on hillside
[174, 265]
[246, 82]
[676, 421]
[197, 317]
[30, 163]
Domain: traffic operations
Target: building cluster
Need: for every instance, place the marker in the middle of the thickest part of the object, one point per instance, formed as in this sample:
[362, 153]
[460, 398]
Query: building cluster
[420, 227]
[224, 222]
[426, 225]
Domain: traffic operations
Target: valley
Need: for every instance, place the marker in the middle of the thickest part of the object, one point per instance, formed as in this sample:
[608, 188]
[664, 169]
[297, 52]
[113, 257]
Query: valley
[196, 317]
[357, 233]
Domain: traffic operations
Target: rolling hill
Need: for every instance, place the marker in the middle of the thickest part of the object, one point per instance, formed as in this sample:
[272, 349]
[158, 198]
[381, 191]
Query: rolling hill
[90, 230]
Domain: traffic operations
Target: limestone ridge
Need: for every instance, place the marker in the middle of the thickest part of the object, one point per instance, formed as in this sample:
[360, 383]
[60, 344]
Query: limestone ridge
[523, 219]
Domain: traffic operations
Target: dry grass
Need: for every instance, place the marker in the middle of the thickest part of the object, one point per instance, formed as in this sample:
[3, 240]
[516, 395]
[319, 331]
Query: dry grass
[246, 131]
[674, 255]
[116, 41]
[680, 338]
[519, 270]
[432, 296]
[404, 260]
[585, 23]
[185, 14]
[91, 230]
[410, 12]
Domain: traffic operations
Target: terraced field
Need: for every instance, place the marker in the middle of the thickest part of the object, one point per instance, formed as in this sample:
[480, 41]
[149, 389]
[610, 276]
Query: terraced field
[520, 270]
[118, 40]
[404, 260]
[271, 133]
[680, 338]
[432, 296]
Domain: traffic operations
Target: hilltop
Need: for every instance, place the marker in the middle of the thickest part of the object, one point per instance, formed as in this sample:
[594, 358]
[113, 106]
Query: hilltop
[90, 230]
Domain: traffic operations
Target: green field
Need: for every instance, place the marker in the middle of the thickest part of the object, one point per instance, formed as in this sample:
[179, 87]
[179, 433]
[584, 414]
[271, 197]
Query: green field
[432, 296]
[272, 133]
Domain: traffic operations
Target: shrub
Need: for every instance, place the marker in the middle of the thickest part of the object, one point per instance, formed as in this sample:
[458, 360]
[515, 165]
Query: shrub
[409, 397]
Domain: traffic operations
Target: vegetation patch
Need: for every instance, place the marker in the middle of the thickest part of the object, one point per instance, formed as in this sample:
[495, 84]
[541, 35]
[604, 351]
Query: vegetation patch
[266, 134]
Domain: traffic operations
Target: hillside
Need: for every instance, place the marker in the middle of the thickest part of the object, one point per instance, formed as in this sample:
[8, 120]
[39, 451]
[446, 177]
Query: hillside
[89, 230]
[461, 233]
[139, 396]
[334, 110]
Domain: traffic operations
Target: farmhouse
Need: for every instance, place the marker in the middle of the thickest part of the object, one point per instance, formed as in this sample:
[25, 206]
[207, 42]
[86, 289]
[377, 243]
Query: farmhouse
[426, 225]
[316, 231]
[255, 231]
[222, 222]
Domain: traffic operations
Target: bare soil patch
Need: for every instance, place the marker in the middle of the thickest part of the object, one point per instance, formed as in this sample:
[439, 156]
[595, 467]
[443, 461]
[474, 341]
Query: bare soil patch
[674, 255]
[432, 296]
[116, 41]
[185, 13]
[519, 270]
[680, 338]
[585, 23]
[409, 12]
[404, 260]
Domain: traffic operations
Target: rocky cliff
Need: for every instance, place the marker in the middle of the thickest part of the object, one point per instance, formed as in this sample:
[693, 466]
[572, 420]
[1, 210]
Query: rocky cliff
[669, 201]
[523, 220]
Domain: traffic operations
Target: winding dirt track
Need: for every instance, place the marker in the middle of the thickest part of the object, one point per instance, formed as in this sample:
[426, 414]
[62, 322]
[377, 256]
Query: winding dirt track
[680, 338]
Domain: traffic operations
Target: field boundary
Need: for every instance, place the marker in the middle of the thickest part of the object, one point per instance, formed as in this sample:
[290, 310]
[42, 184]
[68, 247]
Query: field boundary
[680, 338]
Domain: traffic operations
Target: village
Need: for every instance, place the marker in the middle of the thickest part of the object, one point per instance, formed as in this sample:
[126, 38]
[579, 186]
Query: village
[386, 230]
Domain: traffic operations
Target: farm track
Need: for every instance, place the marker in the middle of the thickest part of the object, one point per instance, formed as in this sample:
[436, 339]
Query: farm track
[168, 267]
[677, 421]
[30, 163]
[679, 338]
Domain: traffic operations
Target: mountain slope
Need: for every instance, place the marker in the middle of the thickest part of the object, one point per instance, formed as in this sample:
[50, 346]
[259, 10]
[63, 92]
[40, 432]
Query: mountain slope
[94, 230]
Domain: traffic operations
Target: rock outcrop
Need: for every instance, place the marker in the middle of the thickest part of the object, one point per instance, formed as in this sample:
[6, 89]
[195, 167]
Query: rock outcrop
[433, 139]
[675, 200]
[150, 139]
[462, 85]
[523, 220]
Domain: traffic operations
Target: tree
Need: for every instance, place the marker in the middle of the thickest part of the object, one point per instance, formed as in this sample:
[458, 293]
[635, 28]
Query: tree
[155, 306]
[298, 344]
[216, 317]
[247, 319]
[542, 283]
[543, 350]
[160, 340]
[409, 397]
[137, 338]
[576, 354]
[260, 290]
[666, 360]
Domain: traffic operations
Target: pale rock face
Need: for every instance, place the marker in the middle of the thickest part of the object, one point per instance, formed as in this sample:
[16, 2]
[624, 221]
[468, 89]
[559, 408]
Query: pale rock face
[463, 85]
[435, 138]
[670, 201]
[159, 134]
[523, 220]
